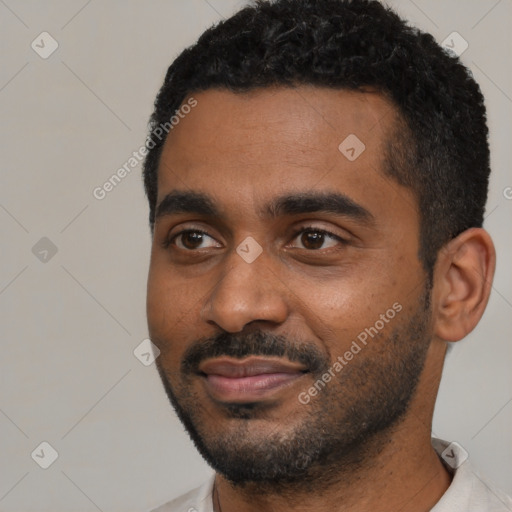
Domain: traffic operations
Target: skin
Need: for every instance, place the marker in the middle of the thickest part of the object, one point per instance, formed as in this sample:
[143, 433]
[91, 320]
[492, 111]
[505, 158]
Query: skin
[243, 150]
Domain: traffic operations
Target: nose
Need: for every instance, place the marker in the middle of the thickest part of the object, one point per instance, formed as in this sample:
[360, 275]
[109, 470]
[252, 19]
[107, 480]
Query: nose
[246, 293]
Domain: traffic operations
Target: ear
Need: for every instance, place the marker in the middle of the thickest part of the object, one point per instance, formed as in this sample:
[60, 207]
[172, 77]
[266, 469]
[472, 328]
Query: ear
[462, 283]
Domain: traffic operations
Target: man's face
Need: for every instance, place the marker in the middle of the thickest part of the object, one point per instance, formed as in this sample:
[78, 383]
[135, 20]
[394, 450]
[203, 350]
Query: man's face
[291, 335]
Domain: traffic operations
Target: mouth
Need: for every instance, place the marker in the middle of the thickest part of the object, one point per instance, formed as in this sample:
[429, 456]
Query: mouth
[248, 380]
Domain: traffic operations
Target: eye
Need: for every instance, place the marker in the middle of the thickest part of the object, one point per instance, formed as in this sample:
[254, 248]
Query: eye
[188, 239]
[313, 238]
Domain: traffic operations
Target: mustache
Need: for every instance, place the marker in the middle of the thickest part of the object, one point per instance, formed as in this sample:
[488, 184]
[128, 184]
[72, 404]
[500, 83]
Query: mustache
[256, 343]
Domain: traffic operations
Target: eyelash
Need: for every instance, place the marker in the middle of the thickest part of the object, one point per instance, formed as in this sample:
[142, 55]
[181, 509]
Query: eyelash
[303, 229]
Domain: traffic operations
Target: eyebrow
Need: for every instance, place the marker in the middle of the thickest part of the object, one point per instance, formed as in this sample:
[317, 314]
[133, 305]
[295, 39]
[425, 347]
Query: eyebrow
[177, 202]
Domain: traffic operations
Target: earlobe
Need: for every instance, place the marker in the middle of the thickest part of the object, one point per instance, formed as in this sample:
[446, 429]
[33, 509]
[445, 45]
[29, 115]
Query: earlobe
[462, 283]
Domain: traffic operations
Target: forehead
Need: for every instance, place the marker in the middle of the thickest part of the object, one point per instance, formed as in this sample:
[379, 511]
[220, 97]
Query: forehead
[310, 120]
[239, 147]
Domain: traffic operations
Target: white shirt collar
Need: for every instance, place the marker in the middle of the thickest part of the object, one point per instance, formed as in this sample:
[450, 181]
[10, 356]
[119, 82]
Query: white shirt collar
[468, 492]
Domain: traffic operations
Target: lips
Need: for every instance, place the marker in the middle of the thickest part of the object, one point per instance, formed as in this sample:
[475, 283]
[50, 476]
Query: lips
[227, 367]
[248, 380]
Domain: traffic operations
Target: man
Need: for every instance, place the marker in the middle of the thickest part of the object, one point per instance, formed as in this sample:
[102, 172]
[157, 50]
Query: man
[317, 176]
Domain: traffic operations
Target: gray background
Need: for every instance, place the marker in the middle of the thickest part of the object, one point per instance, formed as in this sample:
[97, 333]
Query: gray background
[71, 322]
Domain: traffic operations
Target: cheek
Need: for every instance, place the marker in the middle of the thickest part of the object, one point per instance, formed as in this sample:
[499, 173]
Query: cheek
[342, 312]
[166, 293]
[339, 310]
[166, 310]
[157, 300]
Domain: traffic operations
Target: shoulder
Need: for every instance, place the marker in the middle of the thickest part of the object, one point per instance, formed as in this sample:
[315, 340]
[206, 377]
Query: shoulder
[196, 500]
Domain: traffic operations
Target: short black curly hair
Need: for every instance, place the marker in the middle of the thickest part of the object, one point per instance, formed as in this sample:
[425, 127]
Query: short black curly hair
[440, 146]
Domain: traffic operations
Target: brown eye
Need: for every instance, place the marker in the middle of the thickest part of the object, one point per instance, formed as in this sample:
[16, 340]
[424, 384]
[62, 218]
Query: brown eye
[189, 239]
[314, 238]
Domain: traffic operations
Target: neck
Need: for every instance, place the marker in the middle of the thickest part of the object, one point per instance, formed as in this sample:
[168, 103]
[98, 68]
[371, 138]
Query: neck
[400, 471]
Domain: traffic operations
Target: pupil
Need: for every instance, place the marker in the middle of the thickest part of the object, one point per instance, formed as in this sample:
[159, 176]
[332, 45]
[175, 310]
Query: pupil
[194, 237]
[315, 237]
